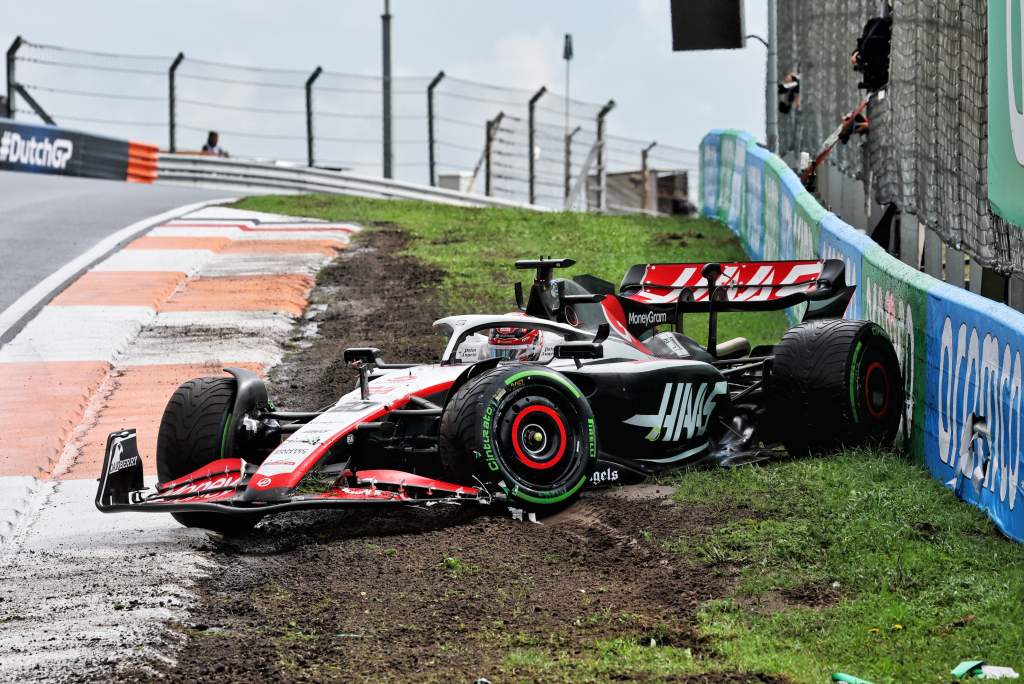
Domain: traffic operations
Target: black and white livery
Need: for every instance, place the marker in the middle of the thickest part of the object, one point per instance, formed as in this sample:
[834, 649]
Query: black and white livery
[585, 384]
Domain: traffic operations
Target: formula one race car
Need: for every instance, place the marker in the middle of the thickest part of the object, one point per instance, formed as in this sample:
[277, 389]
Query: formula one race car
[583, 385]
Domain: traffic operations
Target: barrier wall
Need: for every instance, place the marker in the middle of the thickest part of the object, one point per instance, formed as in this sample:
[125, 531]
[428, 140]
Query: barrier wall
[53, 150]
[960, 353]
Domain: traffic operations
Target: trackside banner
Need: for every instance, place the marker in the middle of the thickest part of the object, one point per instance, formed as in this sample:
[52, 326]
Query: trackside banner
[1006, 109]
[53, 150]
[960, 353]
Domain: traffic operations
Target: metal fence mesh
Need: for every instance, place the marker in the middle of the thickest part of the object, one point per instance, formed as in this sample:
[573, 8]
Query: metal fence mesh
[260, 112]
[927, 148]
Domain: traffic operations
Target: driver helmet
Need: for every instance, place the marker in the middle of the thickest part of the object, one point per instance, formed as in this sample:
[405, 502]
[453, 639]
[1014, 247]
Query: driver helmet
[521, 344]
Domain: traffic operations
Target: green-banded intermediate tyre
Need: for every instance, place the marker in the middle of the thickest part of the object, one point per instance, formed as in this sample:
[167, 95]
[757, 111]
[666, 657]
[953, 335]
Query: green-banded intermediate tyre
[835, 384]
[521, 430]
[192, 434]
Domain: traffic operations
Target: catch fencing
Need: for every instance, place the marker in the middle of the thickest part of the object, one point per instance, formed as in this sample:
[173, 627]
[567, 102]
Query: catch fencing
[927, 148]
[960, 353]
[529, 146]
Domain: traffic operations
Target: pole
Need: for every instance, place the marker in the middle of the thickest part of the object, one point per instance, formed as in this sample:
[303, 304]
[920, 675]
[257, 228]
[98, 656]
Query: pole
[772, 79]
[567, 53]
[386, 85]
[567, 62]
[602, 180]
[11, 80]
[172, 103]
[645, 198]
[309, 113]
[492, 130]
[568, 160]
[531, 135]
[430, 126]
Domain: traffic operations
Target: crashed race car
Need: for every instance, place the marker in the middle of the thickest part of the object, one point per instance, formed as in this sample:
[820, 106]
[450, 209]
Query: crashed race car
[584, 385]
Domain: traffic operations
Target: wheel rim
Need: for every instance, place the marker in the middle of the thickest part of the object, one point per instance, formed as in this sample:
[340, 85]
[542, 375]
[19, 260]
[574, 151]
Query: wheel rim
[876, 389]
[536, 431]
[539, 437]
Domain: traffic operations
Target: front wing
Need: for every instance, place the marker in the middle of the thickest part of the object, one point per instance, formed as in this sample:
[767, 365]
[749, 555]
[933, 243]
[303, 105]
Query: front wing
[218, 487]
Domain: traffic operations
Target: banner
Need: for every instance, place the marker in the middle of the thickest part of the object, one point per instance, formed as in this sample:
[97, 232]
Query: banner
[960, 354]
[1006, 109]
[53, 150]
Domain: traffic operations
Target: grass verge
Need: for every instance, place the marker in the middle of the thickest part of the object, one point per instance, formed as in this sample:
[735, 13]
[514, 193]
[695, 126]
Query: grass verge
[476, 248]
[859, 563]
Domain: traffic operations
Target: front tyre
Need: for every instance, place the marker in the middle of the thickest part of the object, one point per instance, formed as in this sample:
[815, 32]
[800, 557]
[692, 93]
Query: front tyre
[526, 431]
[192, 434]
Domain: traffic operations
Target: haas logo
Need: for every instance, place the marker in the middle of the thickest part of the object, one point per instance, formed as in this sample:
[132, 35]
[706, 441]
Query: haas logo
[683, 405]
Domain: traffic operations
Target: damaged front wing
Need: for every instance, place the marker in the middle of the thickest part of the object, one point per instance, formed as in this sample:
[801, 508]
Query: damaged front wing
[216, 487]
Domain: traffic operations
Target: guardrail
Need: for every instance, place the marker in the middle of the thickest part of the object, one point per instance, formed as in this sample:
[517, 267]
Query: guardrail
[960, 353]
[259, 175]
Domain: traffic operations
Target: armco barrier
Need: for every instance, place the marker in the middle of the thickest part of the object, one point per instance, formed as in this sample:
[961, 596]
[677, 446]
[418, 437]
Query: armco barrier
[960, 353]
[248, 174]
[53, 150]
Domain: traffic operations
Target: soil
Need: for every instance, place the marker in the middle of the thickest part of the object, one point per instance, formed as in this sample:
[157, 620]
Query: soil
[442, 594]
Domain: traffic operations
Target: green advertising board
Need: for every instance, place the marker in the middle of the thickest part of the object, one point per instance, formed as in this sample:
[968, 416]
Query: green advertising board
[1006, 109]
[895, 297]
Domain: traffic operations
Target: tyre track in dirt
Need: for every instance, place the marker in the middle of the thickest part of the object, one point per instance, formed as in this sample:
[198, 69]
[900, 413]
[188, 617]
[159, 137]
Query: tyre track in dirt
[443, 594]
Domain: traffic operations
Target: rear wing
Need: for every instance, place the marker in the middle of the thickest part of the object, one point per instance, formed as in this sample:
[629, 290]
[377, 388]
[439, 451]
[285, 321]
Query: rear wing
[742, 286]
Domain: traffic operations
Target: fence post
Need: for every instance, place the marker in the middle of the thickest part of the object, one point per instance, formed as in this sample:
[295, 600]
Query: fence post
[602, 181]
[430, 127]
[492, 129]
[645, 197]
[309, 113]
[172, 103]
[386, 84]
[568, 160]
[530, 135]
[11, 80]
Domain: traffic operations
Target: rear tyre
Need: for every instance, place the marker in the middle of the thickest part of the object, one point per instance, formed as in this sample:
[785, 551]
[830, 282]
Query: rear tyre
[526, 431]
[835, 384]
[192, 434]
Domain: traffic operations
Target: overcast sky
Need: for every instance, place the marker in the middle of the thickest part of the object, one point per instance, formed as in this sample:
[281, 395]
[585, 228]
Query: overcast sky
[622, 48]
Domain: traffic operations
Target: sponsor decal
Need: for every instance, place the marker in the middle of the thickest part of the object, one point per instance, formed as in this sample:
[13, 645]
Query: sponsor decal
[198, 488]
[978, 375]
[263, 482]
[647, 318]
[606, 476]
[41, 153]
[118, 461]
[896, 317]
[489, 457]
[354, 406]
[683, 405]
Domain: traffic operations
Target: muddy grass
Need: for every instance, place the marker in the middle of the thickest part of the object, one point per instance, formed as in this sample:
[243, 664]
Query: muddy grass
[444, 594]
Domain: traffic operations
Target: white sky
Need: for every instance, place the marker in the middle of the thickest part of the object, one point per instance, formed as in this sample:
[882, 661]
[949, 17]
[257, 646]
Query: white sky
[622, 50]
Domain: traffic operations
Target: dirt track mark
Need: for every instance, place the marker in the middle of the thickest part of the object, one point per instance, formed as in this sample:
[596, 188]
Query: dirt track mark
[441, 594]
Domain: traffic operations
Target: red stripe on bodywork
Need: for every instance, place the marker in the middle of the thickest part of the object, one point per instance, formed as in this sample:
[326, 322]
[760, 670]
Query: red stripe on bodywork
[617, 319]
[292, 479]
[403, 479]
[222, 466]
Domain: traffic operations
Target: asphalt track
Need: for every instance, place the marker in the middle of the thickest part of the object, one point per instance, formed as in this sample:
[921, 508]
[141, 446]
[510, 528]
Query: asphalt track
[46, 221]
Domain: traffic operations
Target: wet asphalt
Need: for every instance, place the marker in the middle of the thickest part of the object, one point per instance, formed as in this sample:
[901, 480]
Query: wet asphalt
[46, 221]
